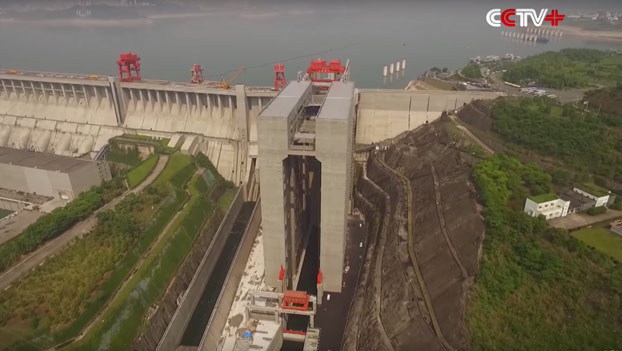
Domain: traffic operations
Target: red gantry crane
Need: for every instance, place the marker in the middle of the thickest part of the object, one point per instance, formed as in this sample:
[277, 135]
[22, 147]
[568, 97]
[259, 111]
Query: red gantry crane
[129, 63]
[279, 76]
[320, 71]
[197, 74]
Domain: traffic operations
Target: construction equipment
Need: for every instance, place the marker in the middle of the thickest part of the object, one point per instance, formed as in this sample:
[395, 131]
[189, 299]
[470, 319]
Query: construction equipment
[197, 74]
[227, 84]
[279, 76]
[129, 63]
[320, 71]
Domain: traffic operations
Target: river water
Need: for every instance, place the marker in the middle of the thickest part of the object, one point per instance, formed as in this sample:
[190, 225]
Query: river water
[370, 35]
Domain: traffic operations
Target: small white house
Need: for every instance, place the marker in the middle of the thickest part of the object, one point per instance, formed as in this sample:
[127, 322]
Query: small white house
[547, 205]
[601, 196]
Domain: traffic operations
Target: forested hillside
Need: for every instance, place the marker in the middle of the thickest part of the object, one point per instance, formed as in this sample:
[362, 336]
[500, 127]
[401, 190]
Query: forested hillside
[568, 68]
[583, 140]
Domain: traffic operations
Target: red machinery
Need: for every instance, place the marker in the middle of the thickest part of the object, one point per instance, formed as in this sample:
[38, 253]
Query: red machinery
[128, 63]
[279, 76]
[197, 74]
[319, 71]
[295, 300]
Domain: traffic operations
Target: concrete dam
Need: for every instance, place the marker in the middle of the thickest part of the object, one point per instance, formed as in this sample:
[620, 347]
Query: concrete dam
[76, 115]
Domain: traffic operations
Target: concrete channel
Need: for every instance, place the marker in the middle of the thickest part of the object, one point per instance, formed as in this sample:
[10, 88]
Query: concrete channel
[204, 307]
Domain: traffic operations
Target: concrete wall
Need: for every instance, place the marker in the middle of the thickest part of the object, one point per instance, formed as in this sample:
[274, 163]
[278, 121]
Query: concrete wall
[82, 179]
[600, 200]
[59, 99]
[11, 205]
[384, 114]
[219, 316]
[334, 151]
[38, 181]
[273, 147]
[179, 322]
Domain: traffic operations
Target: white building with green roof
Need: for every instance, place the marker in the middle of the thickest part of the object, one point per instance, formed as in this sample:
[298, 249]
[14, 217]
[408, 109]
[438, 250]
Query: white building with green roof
[548, 205]
[594, 192]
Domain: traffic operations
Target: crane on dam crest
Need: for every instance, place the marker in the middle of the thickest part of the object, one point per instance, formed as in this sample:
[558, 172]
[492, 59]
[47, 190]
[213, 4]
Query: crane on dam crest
[227, 84]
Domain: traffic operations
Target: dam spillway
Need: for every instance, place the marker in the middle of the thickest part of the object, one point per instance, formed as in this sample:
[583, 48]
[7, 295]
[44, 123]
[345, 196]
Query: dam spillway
[76, 115]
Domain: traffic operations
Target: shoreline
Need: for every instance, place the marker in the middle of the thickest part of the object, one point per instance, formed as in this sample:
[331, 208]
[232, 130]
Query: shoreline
[591, 34]
[101, 23]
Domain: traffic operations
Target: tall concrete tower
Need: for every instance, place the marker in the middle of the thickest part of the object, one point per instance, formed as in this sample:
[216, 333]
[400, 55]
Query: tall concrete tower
[305, 156]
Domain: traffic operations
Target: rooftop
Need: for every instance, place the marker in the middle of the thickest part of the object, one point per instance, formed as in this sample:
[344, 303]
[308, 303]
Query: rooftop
[338, 103]
[576, 199]
[50, 162]
[283, 104]
[543, 198]
[593, 189]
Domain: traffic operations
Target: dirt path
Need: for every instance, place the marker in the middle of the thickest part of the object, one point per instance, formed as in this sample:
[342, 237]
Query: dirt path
[472, 136]
[79, 229]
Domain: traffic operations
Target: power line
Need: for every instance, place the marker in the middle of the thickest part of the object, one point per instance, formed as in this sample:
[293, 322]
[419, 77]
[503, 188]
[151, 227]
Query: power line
[287, 59]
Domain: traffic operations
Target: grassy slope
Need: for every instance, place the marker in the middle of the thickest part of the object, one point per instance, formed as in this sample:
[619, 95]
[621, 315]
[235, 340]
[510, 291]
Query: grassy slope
[124, 318]
[84, 259]
[602, 239]
[140, 173]
[538, 287]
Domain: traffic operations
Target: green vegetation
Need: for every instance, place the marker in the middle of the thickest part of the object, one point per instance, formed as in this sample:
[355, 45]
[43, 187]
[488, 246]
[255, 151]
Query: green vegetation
[160, 146]
[124, 317]
[59, 299]
[543, 198]
[472, 71]
[139, 174]
[597, 210]
[583, 140]
[476, 149]
[130, 156]
[601, 239]
[568, 68]
[56, 222]
[538, 287]
[4, 213]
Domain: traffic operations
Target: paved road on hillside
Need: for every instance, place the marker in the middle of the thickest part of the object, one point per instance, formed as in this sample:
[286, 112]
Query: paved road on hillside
[79, 229]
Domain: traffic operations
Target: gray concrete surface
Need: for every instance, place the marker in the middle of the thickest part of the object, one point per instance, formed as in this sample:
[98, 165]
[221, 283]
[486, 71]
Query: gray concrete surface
[14, 225]
[79, 229]
[579, 220]
[384, 114]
